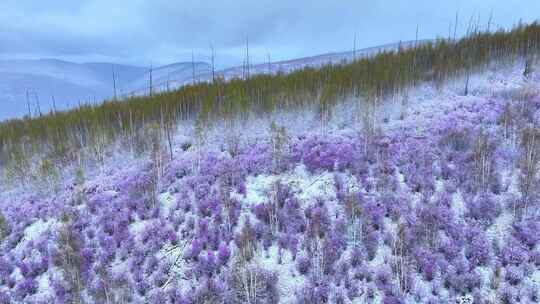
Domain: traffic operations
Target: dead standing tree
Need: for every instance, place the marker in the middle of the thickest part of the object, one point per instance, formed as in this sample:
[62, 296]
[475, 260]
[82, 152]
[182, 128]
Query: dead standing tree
[150, 91]
[483, 162]
[53, 104]
[529, 60]
[28, 104]
[212, 57]
[247, 58]
[193, 67]
[38, 105]
[529, 161]
[114, 82]
[166, 126]
[401, 264]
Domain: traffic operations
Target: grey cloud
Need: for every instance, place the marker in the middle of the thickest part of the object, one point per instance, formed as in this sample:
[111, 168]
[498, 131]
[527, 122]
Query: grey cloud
[138, 31]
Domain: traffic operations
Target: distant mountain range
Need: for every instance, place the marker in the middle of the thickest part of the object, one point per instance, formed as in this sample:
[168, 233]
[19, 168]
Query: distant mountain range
[39, 86]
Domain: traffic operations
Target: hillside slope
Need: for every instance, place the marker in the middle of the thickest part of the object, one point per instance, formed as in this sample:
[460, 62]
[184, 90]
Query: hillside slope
[432, 202]
[72, 84]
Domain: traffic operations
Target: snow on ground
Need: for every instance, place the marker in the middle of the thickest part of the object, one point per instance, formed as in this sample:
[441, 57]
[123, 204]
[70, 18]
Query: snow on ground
[426, 106]
[290, 281]
[34, 231]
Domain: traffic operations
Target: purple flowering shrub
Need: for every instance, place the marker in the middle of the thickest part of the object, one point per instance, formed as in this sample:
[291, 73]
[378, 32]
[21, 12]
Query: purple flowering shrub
[527, 232]
[314, 291]
[478, 249]
[329, 153]
[483, 208]
[417, 208]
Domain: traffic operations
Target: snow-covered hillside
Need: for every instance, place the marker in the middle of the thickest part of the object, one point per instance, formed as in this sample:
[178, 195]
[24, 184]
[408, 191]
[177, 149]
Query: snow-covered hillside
[72, 84]
[288, 66]
[432, 199]
[167, 77]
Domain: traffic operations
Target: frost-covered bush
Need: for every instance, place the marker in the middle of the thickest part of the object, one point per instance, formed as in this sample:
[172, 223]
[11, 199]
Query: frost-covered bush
[508, 294]
[249, 283]
[428, 220]
[27, 287]
[383, 280]
[223, 254]
[303, 264]
[532, 293]
[528, 232]
[246, 241]
[415, 216]
[371, 244]
[314, 291]
[373, 212]
[72, 259]
[514, 275]
[6, 268]
[426, 263]
[325, 153]
[357, 257]
[455, 139]
[514, 253]
[483, 208]
[477, 250]
[392, 300]
[4, 297]
[209, 291]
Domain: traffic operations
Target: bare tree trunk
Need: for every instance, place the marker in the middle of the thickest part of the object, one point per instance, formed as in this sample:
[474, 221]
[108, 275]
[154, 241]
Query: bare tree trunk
[456, 25]
[467, 83]
[131, 131]
[37, 103]
[489, 20]
[247, 58]
[167, 128]
[416, 37]
[114, 82]
[28, 104]
[150, 81]
[269, 64]
[54, 104]
[529, 56]
[213, 64]
[354, 47]
[529, 166]
[193, 66]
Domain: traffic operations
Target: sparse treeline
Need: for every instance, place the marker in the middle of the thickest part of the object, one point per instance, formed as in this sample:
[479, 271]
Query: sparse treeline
[61, 135]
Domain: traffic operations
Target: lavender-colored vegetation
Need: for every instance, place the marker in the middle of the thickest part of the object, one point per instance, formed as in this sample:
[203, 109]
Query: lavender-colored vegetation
[435, 212]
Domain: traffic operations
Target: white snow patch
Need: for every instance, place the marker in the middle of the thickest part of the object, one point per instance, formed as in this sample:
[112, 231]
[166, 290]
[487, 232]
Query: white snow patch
[167, 203]
[306, 186]
[311, 186]
[458, 205]
[257, 188]
[536, 277]
[500, 228]
[289, 279]
[137, 227]
[44, 289]
[34, 231]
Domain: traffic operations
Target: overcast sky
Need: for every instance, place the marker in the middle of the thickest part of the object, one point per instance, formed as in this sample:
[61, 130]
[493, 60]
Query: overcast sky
[164, 31]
